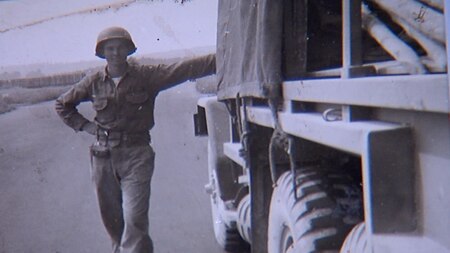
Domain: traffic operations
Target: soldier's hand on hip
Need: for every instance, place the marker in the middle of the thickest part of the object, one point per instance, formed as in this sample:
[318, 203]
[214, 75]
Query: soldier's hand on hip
[90, 128]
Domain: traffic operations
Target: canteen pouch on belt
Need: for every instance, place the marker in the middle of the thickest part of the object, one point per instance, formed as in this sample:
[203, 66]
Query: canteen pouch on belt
[98, 150]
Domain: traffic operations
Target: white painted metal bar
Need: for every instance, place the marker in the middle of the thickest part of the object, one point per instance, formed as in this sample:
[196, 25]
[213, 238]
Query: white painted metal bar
[346, 136]
[419, 92]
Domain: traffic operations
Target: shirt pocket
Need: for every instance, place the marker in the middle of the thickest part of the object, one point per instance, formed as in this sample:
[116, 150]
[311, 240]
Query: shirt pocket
[100, 104]
[105, 110]
[137, 98]
[136, 104]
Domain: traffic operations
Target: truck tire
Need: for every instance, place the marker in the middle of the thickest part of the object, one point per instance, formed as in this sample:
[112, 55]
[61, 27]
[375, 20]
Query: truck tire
[327, 206]
[356, 241]
[227, 235]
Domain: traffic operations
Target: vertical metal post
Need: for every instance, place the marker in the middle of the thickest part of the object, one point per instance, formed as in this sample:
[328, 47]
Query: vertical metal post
[260, 191]
[352, 56]
[295, 30]
[351, 36]
[351, 44]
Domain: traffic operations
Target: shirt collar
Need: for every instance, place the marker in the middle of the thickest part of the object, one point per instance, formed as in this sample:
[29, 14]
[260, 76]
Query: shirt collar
[105, 75]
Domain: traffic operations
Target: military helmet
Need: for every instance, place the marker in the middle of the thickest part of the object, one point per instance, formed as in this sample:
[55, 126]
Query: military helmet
[113, 33]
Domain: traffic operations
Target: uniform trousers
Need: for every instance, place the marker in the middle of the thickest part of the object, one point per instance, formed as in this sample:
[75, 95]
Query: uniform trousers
[122, 182]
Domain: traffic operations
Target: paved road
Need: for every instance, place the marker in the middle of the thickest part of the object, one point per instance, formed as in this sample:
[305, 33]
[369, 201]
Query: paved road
[47, 202]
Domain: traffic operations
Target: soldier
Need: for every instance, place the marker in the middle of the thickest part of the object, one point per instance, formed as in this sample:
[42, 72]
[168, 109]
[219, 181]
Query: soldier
[123, 96]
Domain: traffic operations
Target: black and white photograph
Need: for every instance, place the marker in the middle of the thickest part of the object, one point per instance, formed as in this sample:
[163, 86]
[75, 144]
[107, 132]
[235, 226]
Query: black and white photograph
[224, 126]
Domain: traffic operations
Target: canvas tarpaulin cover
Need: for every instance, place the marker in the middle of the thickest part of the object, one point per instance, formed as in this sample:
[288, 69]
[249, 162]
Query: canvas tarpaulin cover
[249, 41]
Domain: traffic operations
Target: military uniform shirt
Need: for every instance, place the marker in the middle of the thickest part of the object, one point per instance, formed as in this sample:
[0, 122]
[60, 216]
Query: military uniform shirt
[128, 106]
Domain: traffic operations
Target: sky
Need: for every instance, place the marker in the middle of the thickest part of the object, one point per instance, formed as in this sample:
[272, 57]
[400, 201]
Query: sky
[56, 31]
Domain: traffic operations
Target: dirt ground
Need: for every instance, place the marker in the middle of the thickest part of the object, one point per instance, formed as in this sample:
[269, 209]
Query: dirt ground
[47, 202]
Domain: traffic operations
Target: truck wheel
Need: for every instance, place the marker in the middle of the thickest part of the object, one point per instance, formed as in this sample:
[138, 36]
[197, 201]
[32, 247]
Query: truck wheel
[327, 206]
[227, 235]
[356, 241]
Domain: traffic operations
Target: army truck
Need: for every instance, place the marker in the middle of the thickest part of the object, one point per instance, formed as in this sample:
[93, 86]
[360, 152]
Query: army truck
[329, 127]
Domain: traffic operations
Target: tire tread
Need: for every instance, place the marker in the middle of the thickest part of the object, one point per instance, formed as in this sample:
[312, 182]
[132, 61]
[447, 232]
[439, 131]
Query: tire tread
[319, 213]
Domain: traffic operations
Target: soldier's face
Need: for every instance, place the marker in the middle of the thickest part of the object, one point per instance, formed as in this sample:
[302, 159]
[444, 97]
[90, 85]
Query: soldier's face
[116, 51]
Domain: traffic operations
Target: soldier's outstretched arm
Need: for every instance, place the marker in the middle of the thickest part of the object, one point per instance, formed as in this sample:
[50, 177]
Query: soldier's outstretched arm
[167, 76]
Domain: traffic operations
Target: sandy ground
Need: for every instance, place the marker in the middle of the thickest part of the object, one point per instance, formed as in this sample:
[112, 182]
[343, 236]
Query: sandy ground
[47, 202]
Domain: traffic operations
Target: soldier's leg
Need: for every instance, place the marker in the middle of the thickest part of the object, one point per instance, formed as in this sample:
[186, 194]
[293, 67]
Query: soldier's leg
[135, 180]
[109, 195]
